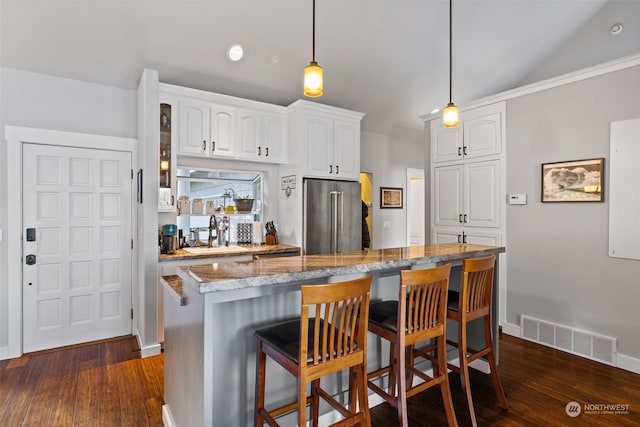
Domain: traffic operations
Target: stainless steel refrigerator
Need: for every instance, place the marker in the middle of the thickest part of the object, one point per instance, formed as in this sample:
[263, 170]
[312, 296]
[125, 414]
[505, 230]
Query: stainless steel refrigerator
[332, 216]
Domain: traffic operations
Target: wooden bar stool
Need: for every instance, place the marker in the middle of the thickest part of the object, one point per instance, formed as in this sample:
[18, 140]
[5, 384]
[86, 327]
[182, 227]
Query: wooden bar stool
[418, 315]
[474, 302]
[330, 336]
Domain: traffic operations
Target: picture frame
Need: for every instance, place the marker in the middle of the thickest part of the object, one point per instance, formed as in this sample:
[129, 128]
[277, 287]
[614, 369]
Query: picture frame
[390, 198]
[573, 181]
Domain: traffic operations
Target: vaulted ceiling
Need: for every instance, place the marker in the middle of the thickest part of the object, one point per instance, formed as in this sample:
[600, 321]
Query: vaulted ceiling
[386, 58]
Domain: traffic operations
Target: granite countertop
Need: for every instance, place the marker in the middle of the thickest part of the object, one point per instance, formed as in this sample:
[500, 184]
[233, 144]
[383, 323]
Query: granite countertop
[252, 249]
[229, 276]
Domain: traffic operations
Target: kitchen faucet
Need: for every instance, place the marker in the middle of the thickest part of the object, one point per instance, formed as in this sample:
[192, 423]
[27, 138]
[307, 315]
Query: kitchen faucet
[213, 225]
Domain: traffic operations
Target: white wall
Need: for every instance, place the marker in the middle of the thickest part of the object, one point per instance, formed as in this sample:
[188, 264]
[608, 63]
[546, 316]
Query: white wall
[388, 158]
[41, 101]
[558, 268]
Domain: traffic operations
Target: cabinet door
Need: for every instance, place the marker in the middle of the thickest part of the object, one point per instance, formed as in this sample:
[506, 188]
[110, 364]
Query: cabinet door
[482, 136]
[447, 195]
[249, 135]
[446, 143]
[274, 146]
[169, 111]
[222, 131]
[483, 237]
[482, 194]
[194, 126]
[346, 163]
[319, 140]
[446, 236]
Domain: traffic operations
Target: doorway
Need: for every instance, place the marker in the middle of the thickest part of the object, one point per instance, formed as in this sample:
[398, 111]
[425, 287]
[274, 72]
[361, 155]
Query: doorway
[71, 242]
[366, 188]
[415, 207]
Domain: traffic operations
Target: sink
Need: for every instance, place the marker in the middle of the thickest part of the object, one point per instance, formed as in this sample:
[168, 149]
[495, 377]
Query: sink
[216, 250]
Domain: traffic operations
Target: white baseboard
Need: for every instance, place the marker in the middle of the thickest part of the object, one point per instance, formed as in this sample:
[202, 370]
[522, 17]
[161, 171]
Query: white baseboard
[167, 418]
[511, 329]
[6, 353]
[628, 363]
[150, 350]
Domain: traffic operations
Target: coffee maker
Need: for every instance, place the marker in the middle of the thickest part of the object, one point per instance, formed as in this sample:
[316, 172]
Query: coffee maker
[169, 240]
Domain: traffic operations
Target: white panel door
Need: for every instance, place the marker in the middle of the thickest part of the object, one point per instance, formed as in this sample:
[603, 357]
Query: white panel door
[447, 196]
[482, 194]
[347, 149]
[79, 287]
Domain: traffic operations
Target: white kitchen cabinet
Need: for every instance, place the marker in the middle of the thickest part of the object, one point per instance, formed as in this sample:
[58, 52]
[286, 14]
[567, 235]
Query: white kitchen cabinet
[467, 194]
[261, 136]
[462, 235]
[478, 135]
[206, 129]
[330, 137]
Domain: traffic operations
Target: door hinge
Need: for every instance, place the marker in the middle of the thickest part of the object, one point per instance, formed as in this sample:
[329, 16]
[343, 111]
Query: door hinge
[132, 314]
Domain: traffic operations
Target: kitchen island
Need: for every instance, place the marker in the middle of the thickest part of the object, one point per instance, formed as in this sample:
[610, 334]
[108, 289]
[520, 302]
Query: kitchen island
[209, 343]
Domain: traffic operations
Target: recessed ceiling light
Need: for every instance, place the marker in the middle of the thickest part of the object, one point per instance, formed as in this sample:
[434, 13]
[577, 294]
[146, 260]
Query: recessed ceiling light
[235, 53]
[616, 29]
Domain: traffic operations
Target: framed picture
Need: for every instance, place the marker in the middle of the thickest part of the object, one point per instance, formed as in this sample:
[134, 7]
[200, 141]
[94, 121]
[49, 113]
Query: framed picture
[574, 181]
[390, 198]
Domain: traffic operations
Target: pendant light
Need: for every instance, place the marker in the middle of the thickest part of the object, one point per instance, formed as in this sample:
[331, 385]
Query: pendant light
[450, 114]
[313, 72]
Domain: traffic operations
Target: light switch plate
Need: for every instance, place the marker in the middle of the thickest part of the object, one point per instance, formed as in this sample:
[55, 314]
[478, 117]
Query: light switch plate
[517, 199]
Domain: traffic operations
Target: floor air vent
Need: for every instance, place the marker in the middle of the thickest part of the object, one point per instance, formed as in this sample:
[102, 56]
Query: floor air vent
[586, 344]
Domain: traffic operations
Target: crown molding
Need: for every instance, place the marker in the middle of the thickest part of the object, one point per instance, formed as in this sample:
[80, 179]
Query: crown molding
[572, 77]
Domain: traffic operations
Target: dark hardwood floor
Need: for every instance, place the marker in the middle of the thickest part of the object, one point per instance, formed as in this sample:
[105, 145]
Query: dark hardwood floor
[104, 384]
[108, 384]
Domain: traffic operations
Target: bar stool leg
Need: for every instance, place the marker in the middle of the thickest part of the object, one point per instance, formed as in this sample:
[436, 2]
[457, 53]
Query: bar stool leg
[497, 384]
[441, 366]
[302, 403]
[261, 360]
[464, 369]
[402, 383]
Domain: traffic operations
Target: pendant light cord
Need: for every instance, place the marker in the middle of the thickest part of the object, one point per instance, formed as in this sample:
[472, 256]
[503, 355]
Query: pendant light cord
[313, 33]
[450, 50]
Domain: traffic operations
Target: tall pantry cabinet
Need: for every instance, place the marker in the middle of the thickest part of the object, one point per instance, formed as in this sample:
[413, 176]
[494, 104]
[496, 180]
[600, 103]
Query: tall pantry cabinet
[468, 170]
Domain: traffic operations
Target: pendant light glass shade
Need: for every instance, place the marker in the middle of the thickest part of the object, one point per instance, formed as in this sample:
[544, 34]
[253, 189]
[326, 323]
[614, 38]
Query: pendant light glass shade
[450, 115]
[313, 80]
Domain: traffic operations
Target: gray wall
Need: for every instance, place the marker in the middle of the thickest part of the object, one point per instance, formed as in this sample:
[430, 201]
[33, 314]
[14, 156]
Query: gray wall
[387, 159]
[558, 269]
[47, 102]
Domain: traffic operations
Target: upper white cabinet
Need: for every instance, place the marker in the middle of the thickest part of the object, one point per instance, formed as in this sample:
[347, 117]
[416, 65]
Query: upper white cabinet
[226, 127]
[327, 139]
[478, 135]
[206, 128]
[261, 136]
[467, 194]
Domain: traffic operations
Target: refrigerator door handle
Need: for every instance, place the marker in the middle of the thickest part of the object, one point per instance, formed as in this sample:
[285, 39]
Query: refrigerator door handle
[340, 224]
[334, 221]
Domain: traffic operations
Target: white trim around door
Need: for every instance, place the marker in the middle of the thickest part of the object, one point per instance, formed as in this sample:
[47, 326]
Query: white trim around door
[15, 137]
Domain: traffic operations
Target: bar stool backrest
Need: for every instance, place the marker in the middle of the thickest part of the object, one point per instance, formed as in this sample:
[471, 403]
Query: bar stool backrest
[477, 284]
[340, 317]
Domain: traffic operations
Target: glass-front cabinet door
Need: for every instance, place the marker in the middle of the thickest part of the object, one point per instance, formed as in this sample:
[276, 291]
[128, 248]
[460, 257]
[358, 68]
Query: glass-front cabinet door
[167, 156]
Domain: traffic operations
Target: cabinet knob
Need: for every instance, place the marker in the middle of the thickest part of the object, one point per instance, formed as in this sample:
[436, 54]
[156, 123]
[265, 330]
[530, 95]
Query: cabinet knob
[266, 152]
[464, 218]
[464, 237]
[459, 238]
[213, 146]
[330, 168]
[464, 150]
[459, 151]
[204, 145]
[460, 218]
[337, 169]
[259, 151]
